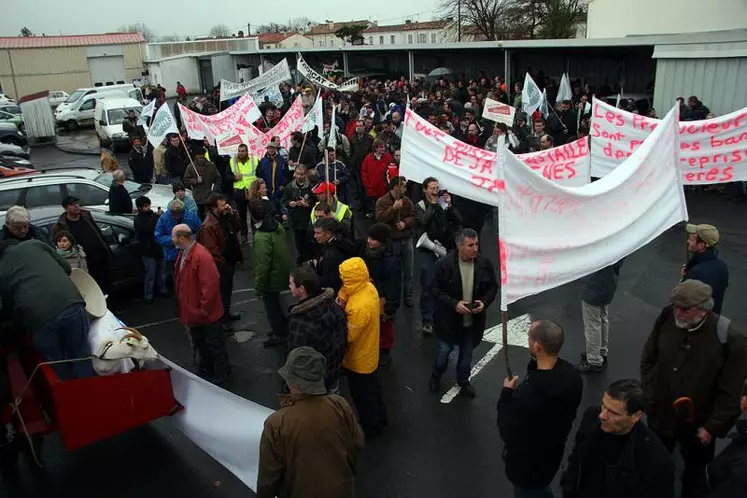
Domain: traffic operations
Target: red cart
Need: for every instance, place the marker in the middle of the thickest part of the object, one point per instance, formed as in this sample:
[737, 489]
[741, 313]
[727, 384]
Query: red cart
[84, 411]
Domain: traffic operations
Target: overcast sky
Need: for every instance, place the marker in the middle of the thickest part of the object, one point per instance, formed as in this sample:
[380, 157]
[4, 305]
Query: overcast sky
[186, 17]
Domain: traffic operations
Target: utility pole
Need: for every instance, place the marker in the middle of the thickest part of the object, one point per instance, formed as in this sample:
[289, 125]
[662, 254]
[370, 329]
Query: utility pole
[248, 29]
[459, 20]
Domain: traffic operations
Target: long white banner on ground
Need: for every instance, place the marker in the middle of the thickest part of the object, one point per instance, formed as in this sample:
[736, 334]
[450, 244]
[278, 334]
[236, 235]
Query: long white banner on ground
[550, 235]
[711, 151]
[225, 426]
[468, 171]
[277, 74]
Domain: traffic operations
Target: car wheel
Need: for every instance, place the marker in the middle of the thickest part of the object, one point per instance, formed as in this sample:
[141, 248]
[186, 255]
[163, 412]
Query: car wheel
[71, 125]
[11, 140]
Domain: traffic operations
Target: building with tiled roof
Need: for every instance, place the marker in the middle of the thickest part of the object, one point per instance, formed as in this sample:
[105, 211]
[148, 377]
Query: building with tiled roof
[31, 64]
[409, 33]
[284, 40]
[323, 35]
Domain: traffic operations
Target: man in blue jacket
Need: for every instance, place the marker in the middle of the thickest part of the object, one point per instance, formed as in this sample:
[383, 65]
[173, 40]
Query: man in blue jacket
[704, 264]
[173, 216]
[272, 169]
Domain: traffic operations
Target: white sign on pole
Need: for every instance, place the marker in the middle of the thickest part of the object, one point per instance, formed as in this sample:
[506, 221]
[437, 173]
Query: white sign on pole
[315, 116]
[162, 125]
[498, 112]
[279, 73]
[711, 151]
[550, 235]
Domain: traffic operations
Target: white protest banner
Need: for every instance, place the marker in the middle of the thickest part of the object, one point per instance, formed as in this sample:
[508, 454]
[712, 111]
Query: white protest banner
[564, 90]
[315, 116]
[146, 113]
[162, 125]
[272, 93]
[311, 75]
[241, 114]
[531, 97]
[227, 427]
[351, 85]
[498, 112]
[711, 151]
[280, 72]
[464, 170]
[550, 235]
[332, 140]
[467, 171]
[568, 165]
[291, 122]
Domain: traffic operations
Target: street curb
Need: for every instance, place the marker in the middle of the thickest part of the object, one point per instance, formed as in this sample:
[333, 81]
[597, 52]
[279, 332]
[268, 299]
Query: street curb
[76, 150]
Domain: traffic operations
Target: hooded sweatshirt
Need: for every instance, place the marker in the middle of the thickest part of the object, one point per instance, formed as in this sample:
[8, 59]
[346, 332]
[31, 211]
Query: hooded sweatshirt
[535, 419]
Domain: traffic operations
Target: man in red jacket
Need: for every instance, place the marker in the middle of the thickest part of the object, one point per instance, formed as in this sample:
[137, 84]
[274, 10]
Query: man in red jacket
[200, 307]
[373, 174]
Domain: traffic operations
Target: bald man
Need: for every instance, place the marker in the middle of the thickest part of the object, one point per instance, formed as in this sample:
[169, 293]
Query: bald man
[551, 386]
[200, 307]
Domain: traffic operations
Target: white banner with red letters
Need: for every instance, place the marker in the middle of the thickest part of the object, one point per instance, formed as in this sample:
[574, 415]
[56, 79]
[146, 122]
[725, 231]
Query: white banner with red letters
[550, 235]
[468, 171]
[711, 151]
[498, 112]
[241, 114]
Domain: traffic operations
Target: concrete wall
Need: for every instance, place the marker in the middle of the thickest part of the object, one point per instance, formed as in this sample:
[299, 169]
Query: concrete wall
[612, 18]
[223, 68]
[182, 69]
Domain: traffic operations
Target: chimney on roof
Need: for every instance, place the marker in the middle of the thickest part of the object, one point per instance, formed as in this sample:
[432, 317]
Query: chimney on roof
[408, 21]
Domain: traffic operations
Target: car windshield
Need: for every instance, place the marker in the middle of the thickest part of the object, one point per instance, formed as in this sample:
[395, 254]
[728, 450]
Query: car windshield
[75, 96]
[117, 116]
[106, 179]
[12, 109]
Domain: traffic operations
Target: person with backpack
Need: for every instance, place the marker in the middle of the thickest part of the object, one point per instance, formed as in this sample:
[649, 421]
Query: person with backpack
[692, 369]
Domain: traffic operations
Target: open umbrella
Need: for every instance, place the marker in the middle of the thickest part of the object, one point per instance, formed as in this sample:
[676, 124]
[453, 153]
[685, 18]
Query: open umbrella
[440, 71]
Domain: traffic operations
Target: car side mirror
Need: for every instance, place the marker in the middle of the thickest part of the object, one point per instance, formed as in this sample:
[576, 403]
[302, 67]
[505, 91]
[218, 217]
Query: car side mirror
[102, 122]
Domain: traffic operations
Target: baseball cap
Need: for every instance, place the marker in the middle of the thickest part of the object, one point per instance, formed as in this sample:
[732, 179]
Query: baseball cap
[323, 187]
[70, 199]
[707, 233]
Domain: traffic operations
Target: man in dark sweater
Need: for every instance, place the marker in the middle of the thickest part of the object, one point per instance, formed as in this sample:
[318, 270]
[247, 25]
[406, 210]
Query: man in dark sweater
[150, 250]
[120, 201]
[704, 264]
[551, 386]
[36, 289]
[614, 454]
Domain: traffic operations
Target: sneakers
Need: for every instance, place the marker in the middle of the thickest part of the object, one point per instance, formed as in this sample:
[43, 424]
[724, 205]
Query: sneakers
[586, 367]
[467, 389]
[604, 359]
[427, 329]
[273, 341]
[434, 384]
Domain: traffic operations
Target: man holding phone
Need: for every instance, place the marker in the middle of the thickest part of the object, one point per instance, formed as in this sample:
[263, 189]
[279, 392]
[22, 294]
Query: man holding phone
[464, 285]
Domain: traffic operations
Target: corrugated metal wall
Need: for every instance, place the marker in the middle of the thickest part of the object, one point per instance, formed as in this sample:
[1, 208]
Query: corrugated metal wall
[718, 83]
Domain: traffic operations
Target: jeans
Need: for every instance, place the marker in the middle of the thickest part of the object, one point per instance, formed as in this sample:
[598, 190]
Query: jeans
[464, 361]
[597, 331]
[211, 348]
[405, 250]
[427, 263]
[226, 288]
[275, 314]
[365, 390]
[155, 274]
[545, 492]
[66, 337]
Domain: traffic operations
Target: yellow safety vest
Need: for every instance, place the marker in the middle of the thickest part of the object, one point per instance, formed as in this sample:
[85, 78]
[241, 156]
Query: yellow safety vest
[339, 213]
[248, 171]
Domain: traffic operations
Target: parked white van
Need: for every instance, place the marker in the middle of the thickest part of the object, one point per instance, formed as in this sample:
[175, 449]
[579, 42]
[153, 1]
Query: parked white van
[81, 114]
[109, 116]
[129, 90]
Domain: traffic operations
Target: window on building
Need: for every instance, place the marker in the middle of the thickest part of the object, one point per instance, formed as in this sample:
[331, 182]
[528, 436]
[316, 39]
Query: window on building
[331, 43]
[391, 39]
[381, 40]
[433, 37]
[409, 38]
[422, 38]
[370, 40]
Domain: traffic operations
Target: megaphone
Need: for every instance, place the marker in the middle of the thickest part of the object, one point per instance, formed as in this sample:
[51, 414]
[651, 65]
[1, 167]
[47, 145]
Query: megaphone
[91, 292]
[435, 247]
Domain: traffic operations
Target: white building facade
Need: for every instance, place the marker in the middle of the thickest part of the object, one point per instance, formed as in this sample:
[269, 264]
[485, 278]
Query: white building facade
[409, 33]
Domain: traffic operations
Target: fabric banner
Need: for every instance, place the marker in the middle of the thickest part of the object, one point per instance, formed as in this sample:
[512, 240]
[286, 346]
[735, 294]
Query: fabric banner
[550, 235]
[498, 112]
[317, 79]
[272, 93]
[280, 72]
[531, 96]
[564, 90]
[162, 125]
[146, 113]
[241, 114]
[291, 122]
[711, 151]
[468, 171]
[332, 140]
[315, 116]
[227, 427]
[544, 106]
[568, 165]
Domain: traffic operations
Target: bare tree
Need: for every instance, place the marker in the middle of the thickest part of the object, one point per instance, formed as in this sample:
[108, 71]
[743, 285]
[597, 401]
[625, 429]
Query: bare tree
[170, 38]
[220, 31]
[297, 24]
[26, 32]
[562, 19]
[148, 34]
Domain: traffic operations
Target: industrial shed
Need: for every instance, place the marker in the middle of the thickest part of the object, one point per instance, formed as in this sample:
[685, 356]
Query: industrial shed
[30, 64]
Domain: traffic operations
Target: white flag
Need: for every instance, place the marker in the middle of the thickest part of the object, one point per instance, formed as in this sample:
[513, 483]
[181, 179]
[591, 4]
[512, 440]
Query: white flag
[332, 141]
[531, 97]
[544, 108]
[162, 125]
[315, 116]
[617, 102]
[146, 113]
[620, 213]
[564, 92]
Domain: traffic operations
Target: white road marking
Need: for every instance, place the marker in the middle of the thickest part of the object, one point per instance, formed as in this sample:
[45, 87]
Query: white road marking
[518, 331]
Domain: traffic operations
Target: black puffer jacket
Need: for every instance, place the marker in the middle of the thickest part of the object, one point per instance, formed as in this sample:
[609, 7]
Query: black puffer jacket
[337, 250]
[440, 224]
[526, 430]
[728, 472]
[386, 273]
[318, 322]
[600, 287]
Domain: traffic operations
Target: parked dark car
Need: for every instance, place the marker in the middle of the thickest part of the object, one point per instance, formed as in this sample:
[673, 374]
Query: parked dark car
[126, 267]
[13, 150]
[10, 134]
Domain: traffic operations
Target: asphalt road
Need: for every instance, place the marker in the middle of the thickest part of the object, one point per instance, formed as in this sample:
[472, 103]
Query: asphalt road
[430, 448]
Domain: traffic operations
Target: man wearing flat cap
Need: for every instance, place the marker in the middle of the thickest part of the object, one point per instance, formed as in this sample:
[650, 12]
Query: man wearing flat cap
[692, 368]
[309, 446]
[704, 264]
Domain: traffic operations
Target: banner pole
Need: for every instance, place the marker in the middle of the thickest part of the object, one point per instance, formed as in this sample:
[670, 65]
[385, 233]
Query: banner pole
[504, 326]
[189, 156]
[326, 176]
[303, 144]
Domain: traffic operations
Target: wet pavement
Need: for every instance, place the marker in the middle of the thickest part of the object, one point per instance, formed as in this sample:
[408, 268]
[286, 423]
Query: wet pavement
[430, 448]
[83, 141]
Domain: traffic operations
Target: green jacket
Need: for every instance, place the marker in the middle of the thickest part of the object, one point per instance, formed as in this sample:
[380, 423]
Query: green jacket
[270, 258]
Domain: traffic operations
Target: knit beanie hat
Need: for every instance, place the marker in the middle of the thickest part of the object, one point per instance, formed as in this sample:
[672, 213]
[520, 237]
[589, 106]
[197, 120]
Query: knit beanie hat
[380, 232]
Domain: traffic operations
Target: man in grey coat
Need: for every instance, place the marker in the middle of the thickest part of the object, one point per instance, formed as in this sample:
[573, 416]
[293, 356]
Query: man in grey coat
[599, 289]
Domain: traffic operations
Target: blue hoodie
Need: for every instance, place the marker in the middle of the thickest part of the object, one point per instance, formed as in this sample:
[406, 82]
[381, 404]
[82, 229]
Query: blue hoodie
[166, 224]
